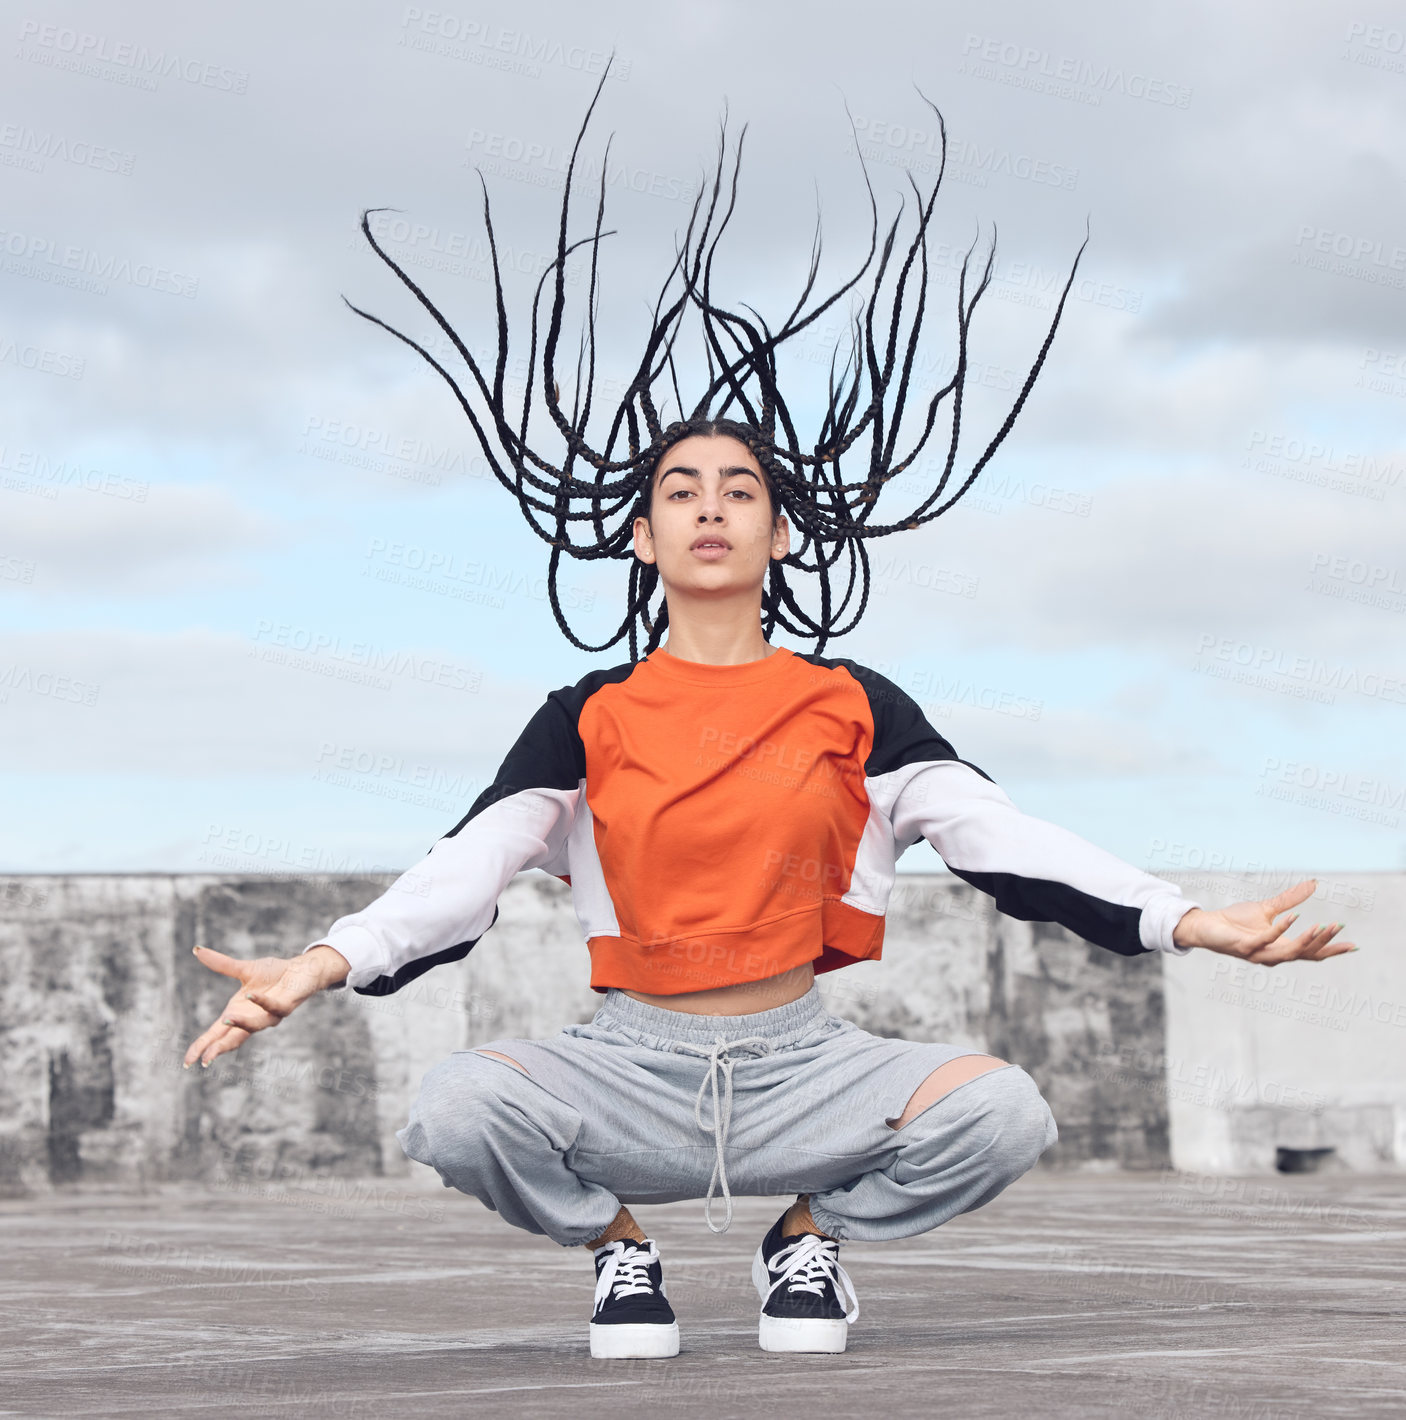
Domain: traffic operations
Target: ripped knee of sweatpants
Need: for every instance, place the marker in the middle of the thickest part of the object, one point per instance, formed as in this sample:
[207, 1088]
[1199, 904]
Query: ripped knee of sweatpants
[1000, 1110]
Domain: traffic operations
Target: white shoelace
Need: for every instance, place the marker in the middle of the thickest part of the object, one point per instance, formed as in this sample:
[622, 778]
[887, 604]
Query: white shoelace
[807, 1264]
[719, 1059]
[626, 1272]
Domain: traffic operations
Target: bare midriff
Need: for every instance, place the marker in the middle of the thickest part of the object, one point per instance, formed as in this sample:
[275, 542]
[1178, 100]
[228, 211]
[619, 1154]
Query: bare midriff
[745, 998]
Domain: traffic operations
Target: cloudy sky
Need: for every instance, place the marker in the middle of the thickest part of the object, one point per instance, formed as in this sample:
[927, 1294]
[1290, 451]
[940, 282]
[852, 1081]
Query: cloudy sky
[1168, 615]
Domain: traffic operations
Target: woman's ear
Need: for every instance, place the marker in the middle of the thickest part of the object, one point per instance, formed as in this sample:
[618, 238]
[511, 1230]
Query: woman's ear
[644, 540]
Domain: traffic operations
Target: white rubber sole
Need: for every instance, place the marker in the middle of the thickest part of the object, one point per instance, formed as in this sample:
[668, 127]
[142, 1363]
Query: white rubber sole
[626, 1341]
[787, 1333]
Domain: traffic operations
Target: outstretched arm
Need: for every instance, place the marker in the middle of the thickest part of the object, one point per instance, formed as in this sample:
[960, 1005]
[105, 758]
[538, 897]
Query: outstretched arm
[1035, 870]
[438, 910]
[1039, 872]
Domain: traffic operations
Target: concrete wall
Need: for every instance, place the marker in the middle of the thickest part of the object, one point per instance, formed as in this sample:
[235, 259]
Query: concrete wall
[100, 995]
[1203, 1062]
[1305, 1057]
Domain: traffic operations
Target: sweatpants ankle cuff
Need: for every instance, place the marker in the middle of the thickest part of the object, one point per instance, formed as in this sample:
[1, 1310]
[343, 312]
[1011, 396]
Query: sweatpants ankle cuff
[581, 1239]
[828, 1223]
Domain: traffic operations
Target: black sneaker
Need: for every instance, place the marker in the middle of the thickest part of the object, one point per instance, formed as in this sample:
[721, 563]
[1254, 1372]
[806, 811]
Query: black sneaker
[808, 1300]
[632, 1316]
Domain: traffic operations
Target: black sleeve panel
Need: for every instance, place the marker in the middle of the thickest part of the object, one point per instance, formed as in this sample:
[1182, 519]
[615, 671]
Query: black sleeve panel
[902, 733]
[1105, 924]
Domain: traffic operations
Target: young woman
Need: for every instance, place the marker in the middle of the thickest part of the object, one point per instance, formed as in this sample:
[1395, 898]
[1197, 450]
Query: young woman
[728, 814]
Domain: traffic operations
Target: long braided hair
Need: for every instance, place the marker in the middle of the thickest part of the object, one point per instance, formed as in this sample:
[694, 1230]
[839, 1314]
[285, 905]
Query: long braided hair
[866, 399]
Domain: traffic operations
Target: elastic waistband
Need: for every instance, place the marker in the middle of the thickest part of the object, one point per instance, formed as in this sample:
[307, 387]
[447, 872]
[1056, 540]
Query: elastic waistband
[782, 1025]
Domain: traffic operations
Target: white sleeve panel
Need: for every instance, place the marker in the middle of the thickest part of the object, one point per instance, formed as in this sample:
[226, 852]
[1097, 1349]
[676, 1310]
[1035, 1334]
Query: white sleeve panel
[451, 896]
[1037, 870]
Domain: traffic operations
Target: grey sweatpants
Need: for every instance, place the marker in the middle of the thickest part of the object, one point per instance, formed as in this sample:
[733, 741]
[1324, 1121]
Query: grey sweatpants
[641, 1105]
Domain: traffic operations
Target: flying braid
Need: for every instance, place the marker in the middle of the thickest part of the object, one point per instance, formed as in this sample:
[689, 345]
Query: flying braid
[605, 483]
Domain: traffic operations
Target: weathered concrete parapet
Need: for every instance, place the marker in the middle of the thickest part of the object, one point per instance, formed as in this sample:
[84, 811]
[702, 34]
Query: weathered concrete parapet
[100, 995]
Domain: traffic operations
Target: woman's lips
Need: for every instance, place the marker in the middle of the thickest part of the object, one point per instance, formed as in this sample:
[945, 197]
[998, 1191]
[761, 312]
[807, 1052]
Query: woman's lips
[711, 552]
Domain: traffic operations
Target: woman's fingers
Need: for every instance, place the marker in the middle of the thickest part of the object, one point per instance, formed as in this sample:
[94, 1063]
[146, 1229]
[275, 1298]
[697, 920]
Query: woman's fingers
[1290, 897]
[1274, 933]
[272, 988]
[270, 1003]
[198, 1046]
[1257, 941]
[215, 1042]
[218, 961]
[232, 1039]
[238, 1021]
[1315, 945]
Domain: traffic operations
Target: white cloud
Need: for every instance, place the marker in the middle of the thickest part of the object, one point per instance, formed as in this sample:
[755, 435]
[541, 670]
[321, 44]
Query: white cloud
[114, 534]
[204, 703]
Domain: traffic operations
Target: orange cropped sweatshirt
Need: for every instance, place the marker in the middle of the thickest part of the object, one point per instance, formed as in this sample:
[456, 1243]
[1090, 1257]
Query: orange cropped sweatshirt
[722, 824]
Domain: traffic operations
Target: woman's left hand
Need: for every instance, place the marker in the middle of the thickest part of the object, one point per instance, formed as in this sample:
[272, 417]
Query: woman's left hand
[1248, 930]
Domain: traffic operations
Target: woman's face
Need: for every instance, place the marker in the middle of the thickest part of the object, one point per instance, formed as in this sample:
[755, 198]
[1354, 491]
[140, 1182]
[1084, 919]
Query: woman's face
[709, 489]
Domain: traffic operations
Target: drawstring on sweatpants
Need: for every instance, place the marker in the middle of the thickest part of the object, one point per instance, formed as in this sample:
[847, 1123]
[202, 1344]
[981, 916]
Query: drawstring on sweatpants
[718, 1057]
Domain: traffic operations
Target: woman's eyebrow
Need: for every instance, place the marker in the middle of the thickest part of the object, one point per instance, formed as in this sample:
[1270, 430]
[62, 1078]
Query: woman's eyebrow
[728, 472]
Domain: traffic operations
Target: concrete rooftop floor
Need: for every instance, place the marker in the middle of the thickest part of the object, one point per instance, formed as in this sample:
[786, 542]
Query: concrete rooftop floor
[1070, 1295]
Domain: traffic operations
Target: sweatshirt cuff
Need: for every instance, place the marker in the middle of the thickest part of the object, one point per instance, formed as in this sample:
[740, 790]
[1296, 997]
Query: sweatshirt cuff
[1158, 921]
[361, 950]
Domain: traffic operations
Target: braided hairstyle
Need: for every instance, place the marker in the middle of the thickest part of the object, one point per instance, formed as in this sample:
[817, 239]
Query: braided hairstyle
[866, 399]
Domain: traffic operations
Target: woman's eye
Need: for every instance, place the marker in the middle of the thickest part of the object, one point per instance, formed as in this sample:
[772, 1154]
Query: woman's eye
[686, 492]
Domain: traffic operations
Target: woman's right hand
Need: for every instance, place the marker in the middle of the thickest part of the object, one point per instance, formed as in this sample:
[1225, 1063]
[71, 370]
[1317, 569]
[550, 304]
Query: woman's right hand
[269, 988]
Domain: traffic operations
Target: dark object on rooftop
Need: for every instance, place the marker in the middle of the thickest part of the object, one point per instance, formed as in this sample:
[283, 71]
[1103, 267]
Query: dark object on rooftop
[1301, 1160]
